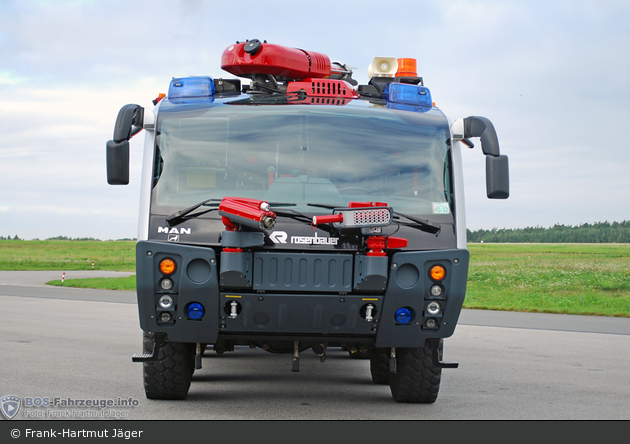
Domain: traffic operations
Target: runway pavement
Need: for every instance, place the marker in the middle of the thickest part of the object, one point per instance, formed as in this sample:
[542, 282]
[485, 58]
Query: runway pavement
[77, 343]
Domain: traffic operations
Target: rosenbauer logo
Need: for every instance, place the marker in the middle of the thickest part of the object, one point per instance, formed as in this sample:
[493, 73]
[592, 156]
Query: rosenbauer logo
[280, 237]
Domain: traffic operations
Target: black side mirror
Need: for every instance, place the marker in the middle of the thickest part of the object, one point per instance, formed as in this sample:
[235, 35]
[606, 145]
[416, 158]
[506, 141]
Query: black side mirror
[497, 168]
[118, 162]
[497, 177]
[128, 123]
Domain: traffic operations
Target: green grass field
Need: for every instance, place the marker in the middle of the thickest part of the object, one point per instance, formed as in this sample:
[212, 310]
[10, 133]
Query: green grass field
[67, 255]
[587, 279]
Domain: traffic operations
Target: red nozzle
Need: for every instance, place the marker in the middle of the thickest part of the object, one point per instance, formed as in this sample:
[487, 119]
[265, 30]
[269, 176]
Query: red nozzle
[327, 219]
[243, 211]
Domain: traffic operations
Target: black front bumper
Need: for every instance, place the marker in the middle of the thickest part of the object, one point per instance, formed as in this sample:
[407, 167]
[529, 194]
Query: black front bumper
[298, 295]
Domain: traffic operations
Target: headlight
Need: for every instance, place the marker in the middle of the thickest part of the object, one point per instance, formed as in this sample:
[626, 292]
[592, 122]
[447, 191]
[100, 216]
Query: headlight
[436, 290]
[434, 308]
[430, 323]
[166, 301]
[166, 284]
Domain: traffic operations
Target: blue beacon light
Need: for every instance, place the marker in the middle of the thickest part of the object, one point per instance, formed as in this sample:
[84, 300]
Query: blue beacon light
[186, 88]
[408, 97]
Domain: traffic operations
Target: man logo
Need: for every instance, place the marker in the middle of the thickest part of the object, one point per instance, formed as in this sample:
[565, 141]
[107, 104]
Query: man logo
[10, 406]
[278, 237]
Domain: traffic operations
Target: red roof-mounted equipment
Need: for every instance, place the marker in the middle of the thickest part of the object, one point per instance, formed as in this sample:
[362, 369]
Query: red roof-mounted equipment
[252, 58]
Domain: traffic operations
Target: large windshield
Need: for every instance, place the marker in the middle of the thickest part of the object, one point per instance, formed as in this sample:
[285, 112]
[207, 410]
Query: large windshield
[297, 154]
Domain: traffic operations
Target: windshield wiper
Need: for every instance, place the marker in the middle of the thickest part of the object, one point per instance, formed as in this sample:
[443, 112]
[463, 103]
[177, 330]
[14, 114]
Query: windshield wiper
[296, 215]
[422, 224]
[178, 217]
[323, 205]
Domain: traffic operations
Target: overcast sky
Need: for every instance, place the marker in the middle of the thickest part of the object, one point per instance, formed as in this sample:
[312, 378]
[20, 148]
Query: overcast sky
[553, 76]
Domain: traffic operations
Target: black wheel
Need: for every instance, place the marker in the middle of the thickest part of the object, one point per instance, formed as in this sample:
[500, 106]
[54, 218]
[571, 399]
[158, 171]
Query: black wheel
[416, 379]
[169, 377]
[379, 365]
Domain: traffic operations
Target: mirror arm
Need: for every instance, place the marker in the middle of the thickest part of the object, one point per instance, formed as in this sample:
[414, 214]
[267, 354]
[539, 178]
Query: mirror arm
[128, 116]
[475, 126]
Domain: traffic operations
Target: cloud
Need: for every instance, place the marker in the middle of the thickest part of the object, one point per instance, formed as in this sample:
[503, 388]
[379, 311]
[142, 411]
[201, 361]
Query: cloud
[552, 76]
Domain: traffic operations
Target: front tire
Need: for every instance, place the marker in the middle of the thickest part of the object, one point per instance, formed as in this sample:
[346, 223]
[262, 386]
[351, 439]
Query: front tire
[416, 380]
[379, 365]
[169, 377]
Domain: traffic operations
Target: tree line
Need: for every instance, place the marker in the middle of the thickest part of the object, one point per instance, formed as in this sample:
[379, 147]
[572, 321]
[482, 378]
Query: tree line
[65, 238]
[600, 232]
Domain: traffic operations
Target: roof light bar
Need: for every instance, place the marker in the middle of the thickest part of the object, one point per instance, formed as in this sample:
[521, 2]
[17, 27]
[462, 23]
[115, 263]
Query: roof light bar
[408, 94]
[199, 87]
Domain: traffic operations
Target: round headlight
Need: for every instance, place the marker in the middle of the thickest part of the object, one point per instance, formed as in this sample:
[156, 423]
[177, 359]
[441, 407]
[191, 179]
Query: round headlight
[430, 323]
[166, 301]
[434, 308]
[436, 290]
[166, 284]
[165, 316]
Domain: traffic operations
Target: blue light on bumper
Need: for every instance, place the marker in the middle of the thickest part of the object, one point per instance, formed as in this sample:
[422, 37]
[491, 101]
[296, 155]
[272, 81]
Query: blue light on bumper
[403, 315]
[195, 310]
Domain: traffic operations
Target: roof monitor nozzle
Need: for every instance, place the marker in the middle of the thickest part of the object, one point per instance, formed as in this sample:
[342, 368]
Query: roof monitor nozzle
[252, 46]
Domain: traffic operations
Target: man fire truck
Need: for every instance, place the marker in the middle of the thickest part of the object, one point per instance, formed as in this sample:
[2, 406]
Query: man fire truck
[299, 210]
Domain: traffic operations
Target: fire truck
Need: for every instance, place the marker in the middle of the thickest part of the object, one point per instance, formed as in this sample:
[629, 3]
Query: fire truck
[288, 208]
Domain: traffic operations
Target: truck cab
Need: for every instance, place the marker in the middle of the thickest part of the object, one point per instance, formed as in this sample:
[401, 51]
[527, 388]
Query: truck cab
[297, 211]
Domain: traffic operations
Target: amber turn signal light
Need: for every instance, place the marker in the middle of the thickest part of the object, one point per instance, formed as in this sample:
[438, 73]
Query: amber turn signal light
[437, 272]
[167, 266]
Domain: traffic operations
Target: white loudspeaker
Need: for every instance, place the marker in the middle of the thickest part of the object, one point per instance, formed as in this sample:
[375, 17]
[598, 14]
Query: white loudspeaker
[383, 67]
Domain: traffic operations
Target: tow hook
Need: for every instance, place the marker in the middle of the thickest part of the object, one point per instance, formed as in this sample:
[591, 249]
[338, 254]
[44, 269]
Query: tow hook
[320, 350]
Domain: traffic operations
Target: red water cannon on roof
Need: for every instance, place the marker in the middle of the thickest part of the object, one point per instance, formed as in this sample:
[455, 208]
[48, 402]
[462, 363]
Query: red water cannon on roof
[254, 58]
[247, 59]
[253, 213]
